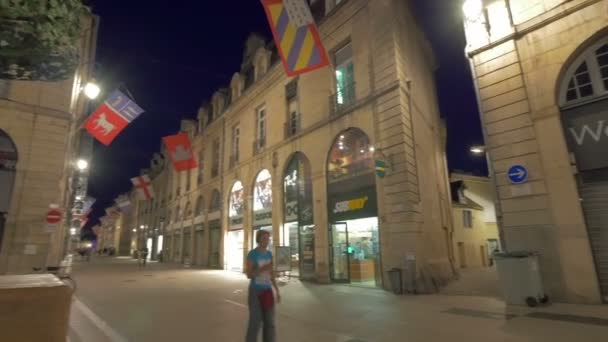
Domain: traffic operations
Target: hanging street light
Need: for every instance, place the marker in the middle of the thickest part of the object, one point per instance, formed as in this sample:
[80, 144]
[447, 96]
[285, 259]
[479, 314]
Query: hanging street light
[91, 90]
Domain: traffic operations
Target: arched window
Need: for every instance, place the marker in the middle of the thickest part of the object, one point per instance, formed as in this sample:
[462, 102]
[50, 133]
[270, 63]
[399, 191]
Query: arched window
[178, 214]
[237, 200]
[262, 191]
[587, 77]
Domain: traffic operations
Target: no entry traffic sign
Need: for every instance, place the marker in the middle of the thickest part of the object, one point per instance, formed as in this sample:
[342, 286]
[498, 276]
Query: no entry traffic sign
[53, 216]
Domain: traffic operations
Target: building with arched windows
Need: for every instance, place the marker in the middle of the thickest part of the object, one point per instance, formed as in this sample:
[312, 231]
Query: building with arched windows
[541, 72]
[303, 157]
[41, 140]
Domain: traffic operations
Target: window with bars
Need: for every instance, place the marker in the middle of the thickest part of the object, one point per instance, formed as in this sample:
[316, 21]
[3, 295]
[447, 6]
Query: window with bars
[602, 61]
[260, 128]
[587, 77]
[580, 85]
[236, 142]
[294, 117]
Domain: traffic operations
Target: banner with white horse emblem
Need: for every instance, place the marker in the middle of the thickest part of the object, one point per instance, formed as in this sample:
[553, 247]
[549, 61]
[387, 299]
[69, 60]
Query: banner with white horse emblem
[112, 117]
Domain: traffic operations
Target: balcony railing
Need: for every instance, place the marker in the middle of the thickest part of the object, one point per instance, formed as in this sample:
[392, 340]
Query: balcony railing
[343, 99]
[292, 127]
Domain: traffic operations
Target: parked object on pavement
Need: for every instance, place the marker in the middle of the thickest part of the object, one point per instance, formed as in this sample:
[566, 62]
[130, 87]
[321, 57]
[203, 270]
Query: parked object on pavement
[520, 278]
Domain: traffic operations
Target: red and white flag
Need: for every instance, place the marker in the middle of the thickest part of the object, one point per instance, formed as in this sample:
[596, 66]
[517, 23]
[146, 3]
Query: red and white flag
[112, 117]
[144, 187]
[180, 152]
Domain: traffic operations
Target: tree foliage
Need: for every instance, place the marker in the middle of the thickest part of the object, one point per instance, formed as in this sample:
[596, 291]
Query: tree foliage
[39, 38]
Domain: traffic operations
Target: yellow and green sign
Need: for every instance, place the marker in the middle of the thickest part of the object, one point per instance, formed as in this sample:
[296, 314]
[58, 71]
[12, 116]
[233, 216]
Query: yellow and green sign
[353, 205]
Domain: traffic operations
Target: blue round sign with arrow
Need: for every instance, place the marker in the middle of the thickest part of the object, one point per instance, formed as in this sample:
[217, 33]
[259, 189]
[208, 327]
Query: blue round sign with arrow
[518, 174]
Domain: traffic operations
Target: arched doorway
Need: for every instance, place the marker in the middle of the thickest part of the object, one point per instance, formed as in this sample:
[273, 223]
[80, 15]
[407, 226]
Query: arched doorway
[583, 100]
[352, 210]
[8, 164]
[235, 239]
[298, 231]
[214, 222]
[262, 205]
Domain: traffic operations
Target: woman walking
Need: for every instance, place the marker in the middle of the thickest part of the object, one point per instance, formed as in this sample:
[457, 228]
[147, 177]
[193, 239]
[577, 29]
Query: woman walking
[261, 298]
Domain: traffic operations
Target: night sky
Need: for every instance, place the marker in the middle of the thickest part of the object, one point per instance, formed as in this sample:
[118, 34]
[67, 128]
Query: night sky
[172, 56]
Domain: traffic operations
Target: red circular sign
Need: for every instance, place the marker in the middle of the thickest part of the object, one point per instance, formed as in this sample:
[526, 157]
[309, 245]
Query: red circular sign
[53, 216]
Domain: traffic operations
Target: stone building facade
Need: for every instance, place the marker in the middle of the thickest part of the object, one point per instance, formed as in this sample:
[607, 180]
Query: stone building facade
[475, 230]
[39, 143]
[540, 68]
[296, 156]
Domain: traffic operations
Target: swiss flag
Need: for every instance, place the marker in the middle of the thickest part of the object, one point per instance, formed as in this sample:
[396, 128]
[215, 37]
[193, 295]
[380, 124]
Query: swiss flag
[180, 151]
[105, 124]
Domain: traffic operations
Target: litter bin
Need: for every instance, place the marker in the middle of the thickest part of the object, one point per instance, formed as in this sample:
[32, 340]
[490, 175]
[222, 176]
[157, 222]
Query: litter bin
[394, 275]
[520, 278]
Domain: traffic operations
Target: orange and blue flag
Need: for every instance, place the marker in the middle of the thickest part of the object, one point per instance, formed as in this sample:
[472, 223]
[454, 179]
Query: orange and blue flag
[299, 46]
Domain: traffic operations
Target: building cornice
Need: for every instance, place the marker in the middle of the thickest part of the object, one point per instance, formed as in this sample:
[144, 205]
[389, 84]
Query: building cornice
[536, 23]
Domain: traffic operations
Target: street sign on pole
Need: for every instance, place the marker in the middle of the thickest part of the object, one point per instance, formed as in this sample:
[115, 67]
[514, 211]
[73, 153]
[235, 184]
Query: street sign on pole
[517, 174]
[53, 217]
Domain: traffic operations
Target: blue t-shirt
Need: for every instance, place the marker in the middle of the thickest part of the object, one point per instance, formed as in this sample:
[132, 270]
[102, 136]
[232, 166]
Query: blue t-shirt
[263, 281]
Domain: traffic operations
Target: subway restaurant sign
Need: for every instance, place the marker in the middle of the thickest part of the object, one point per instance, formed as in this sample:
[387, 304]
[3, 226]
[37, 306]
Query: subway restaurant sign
[353, 205]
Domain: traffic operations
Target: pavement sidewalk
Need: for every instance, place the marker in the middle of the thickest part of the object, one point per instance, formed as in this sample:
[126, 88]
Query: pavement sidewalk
[166, 302]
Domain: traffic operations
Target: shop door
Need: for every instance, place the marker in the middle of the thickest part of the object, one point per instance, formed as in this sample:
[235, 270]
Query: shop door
[149, 247]
[340, 253]
[214, 247]
[235, 250]
[595, 208]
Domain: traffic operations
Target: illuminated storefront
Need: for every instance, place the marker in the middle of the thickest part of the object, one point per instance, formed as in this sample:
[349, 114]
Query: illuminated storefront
[298, 229]
[352, 210]
[262, 205]
[235, 238]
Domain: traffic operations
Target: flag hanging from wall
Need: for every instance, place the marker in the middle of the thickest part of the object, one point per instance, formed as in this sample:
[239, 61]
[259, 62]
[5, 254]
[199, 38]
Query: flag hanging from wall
[144, 187]
[180, 152]
[123, 202]
[116, 113]
[296, 36]
[87, 205]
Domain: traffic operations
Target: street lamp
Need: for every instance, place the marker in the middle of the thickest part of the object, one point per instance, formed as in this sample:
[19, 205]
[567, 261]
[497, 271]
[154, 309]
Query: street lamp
[477, 149]
[91, 90]
[82, 164]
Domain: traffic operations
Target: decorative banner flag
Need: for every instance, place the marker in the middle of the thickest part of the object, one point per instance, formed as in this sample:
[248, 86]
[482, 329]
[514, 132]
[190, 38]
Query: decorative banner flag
[295, 35]
[83, 221]
[112, 117]
[123, 203]
[87, 205]
[144, 187]
[180, 152]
